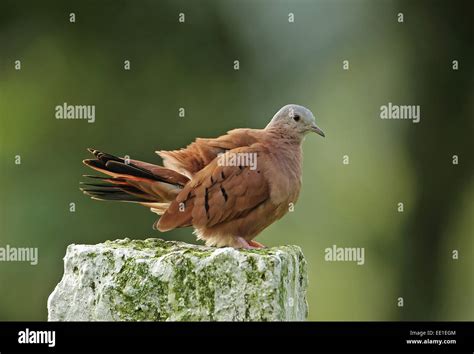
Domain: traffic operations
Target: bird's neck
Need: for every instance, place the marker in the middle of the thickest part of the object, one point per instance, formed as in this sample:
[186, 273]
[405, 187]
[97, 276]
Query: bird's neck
[284, 137]
[287, 149]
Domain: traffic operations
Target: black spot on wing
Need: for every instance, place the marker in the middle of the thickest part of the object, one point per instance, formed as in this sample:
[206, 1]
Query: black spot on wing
[224, 194]
[206, 203]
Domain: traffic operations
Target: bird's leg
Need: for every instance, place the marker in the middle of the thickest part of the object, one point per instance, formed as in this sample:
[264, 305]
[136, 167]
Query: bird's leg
[242, 243]
[255, 244]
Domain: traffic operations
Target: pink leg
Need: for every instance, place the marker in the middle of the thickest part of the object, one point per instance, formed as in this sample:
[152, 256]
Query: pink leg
[256, 244]
[242, 243]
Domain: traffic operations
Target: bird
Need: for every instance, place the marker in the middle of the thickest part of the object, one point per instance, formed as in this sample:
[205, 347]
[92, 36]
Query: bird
[229, 188]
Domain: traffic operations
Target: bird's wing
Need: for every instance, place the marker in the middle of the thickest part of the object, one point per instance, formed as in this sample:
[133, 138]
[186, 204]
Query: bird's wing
[201, 152]
[219, 194]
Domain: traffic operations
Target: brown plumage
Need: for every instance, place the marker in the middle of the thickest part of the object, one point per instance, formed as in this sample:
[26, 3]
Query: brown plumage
[229, 188]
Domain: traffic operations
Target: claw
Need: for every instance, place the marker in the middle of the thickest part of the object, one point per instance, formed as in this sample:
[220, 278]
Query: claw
[255, 244]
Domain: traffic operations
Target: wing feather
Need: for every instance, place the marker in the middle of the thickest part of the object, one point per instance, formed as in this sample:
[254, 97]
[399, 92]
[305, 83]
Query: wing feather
[218, 194]
[202, 152]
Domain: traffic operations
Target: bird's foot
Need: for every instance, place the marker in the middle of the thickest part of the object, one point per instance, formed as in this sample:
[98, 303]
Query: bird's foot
[256, 244]
[248, 245]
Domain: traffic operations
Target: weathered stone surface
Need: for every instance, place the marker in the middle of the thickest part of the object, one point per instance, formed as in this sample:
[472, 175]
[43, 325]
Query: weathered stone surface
[156, 280]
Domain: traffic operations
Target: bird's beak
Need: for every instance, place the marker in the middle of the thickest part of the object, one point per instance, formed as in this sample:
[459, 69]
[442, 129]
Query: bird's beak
[317, 130]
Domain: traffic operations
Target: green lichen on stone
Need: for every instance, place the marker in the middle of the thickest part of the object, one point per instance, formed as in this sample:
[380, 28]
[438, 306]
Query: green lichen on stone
[132, 285]
[158, 280]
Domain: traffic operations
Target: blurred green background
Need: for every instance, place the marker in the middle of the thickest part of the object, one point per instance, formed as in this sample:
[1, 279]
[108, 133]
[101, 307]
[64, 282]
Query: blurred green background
[190, 65]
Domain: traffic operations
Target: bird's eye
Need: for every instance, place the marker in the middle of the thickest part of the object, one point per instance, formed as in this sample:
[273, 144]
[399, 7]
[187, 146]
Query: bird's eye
[296, 117]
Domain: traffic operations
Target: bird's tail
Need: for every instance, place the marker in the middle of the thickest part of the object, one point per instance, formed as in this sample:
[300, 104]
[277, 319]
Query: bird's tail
[133, 181]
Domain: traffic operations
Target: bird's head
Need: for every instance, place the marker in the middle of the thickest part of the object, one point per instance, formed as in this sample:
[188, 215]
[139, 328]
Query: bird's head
[296, 119]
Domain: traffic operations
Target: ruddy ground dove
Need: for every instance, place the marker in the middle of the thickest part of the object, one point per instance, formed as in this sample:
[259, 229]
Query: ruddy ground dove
[229, 188]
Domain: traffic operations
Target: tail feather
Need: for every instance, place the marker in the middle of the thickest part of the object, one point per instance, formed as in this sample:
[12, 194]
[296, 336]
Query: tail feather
[123, 168]
[133, 181]
[115, 168]
[117, 195]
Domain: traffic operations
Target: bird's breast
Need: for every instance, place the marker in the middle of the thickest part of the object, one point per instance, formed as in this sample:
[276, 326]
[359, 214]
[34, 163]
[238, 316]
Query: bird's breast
[285, 176]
